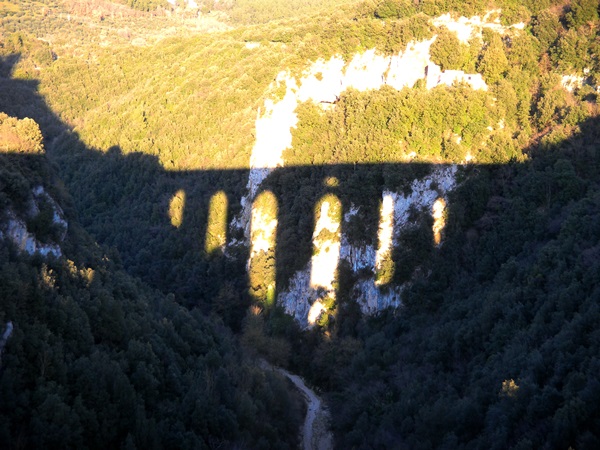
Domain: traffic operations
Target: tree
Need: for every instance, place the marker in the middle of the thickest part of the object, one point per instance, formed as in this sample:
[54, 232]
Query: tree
[546, 28]
[582, 12]
[493, 63]
[448, 52]
[394, 9]
[571, 51]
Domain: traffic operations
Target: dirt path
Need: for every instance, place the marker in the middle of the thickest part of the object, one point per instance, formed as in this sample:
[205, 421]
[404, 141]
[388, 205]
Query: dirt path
[315, 431]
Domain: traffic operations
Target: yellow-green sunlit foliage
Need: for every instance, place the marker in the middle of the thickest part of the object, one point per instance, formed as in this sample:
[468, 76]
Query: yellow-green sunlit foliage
[20, 136]
[177, 208]
[261, 11]
[216, 232]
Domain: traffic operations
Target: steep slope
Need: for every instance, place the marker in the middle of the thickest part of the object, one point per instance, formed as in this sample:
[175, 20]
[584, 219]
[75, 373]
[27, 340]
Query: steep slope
[497, 347]
[464, 196]
[91, 357]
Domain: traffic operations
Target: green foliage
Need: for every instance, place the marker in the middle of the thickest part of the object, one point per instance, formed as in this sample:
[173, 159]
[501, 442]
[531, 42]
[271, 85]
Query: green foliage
[262, 11]
[255, 338]
[493, 63]
[396, 123]
[20, 136]
[550, 106]
[582, 12]
[146, 5]
[395, 9]
[25, 55]
[514, 12]
[546, 27]
[448, 52]
[523, 53]
[571, 52]
[99, 359]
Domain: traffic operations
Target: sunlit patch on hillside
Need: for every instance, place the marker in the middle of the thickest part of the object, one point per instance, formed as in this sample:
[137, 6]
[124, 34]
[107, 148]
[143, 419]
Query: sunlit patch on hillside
[384, 265]
[216, 231]
[331, 182]
[509, 388]
[439, 219]
[261, 264]
[326, 254]
[8, 8]
[326, 242]
[19, 135]
[176, 208]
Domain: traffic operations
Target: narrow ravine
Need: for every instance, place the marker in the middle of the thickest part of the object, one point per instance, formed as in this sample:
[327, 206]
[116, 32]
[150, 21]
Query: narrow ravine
[315, 431]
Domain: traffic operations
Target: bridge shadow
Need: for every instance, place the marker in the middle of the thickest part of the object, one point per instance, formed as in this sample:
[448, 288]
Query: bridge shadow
[158, 219]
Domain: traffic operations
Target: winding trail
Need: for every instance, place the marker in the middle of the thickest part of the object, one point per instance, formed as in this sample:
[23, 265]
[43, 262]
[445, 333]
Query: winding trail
[315, 431]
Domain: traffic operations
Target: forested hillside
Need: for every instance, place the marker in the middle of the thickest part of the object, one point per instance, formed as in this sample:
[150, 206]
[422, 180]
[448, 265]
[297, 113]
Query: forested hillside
[96, 358]
[202, 156]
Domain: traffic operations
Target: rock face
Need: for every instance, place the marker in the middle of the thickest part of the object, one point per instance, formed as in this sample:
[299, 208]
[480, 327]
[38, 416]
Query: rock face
[312, 289]
[429, 194]
[16, 230]
[324, 81]
[436, 77]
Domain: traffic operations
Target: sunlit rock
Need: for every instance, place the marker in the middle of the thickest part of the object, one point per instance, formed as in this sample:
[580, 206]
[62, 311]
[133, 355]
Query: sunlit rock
[408, 67]
[326, 244]
[572, 82]
[315, 284]
[384, 269]
[312, 288]
[437, 77]
[261, 262]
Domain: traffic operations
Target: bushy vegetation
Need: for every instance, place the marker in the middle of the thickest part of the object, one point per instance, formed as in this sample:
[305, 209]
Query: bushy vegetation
[98, 359]
[495, 345]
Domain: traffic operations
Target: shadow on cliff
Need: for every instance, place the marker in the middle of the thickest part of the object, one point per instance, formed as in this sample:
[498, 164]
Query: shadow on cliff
[125, 201]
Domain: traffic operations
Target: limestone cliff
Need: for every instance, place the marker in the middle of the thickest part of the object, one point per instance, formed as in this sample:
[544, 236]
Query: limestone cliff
[313, 288]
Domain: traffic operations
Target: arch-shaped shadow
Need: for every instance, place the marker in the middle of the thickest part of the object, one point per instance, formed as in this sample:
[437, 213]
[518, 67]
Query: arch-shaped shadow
[125, 200]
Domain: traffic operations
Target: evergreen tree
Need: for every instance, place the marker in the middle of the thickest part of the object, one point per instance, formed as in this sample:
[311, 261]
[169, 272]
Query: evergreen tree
[493, 63]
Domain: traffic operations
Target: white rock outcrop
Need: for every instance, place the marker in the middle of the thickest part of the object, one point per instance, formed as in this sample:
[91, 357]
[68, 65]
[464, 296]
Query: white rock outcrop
[16, 227]
[309, 288]
[26, 241]
[437, 77]
[572, 82]
[58, 215]
[313, 287]
[323, 82]
[467, 28]
[425, 194]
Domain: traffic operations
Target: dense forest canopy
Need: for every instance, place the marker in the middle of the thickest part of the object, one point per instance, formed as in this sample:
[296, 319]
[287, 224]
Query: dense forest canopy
[139, 118]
